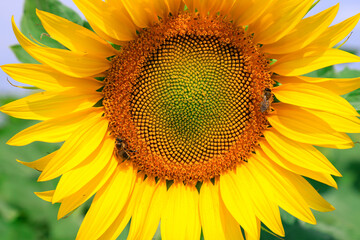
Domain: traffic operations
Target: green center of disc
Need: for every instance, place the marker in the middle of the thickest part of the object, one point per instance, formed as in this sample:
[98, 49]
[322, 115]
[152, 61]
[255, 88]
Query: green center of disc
[191, 99]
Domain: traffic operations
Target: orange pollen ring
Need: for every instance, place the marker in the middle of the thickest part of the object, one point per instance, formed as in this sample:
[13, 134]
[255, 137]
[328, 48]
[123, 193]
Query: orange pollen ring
[185, 97]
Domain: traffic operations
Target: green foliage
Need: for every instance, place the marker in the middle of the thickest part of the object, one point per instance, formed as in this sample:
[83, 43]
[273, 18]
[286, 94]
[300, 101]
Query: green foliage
[22, 214]
[22, 55]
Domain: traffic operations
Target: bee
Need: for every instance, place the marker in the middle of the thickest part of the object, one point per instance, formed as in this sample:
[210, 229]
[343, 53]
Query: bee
[122, 152]
[265, 103]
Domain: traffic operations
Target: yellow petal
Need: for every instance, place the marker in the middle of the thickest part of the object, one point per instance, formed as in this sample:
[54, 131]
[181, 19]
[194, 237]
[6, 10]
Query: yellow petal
[147, 213]
[336, 33]
[307, 192]
[39, 164]
[67, 62]
[77, 148]
[88, 190]
[175, 6]
[180, 217]
[302, 126]
[297, 165]
[311, 59]
[238, 202]
[248, 236]
[73, 36]
[300, 154]
[311, 196]
[46, 78]
[314, 97]
[349, 124]
[111, 23]
[265, 210]
[246, 12]
[304, 33]
[54, 130]
[339, 86]
[203, 7]
[124, 216]
[108, 203]
[142, 12]
[46, 196]
[162, 7]
[222, 7]
[216, 221]
[74, 180]
[70, 63]
[279, 190]
[24, 41]
[46, 105]
[281, 17]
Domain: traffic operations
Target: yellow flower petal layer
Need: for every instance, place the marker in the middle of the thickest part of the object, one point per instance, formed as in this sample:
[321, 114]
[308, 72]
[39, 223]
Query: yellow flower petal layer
[302, 126]
[216, 221]
[108, 203]
[142, 12]
[246, 12]
[265, 210]
[71, 63]
[67, 62]
[46, 105]
[336, 33]
[46, 196]
[338, 86]
[297, 165]
[180, 218]
[112, 25]
[46, 78]
[304, 33]
[124, 216]
[314, 97]
[147, 213]
[311, 196]
[73, 36]
[349, 124]
[77, 148]
[53, 130]
[239, 204]
[73, 180]
[300, 154]
[88, 190]
[39, 164]
[311, 59]
[278, 188]
[279, 19]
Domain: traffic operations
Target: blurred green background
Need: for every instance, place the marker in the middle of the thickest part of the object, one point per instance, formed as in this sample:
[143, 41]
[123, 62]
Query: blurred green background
[24, 216]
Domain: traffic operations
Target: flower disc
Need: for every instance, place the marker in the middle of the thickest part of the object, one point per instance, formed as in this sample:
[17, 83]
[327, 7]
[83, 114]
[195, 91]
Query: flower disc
[189, 98]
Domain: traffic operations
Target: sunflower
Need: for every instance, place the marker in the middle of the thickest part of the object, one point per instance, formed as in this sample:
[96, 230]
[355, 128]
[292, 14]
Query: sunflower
[192, 113]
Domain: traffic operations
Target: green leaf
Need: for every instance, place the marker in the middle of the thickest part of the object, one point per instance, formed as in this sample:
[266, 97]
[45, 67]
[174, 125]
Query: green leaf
[348, 73]
[22, 55]
[354, 99]
[22, 214]
[343, 223]
[328, 72]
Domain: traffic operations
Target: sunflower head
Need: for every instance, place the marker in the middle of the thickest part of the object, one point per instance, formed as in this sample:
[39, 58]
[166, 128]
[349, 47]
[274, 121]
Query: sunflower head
[185, 96]
[197, 115]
